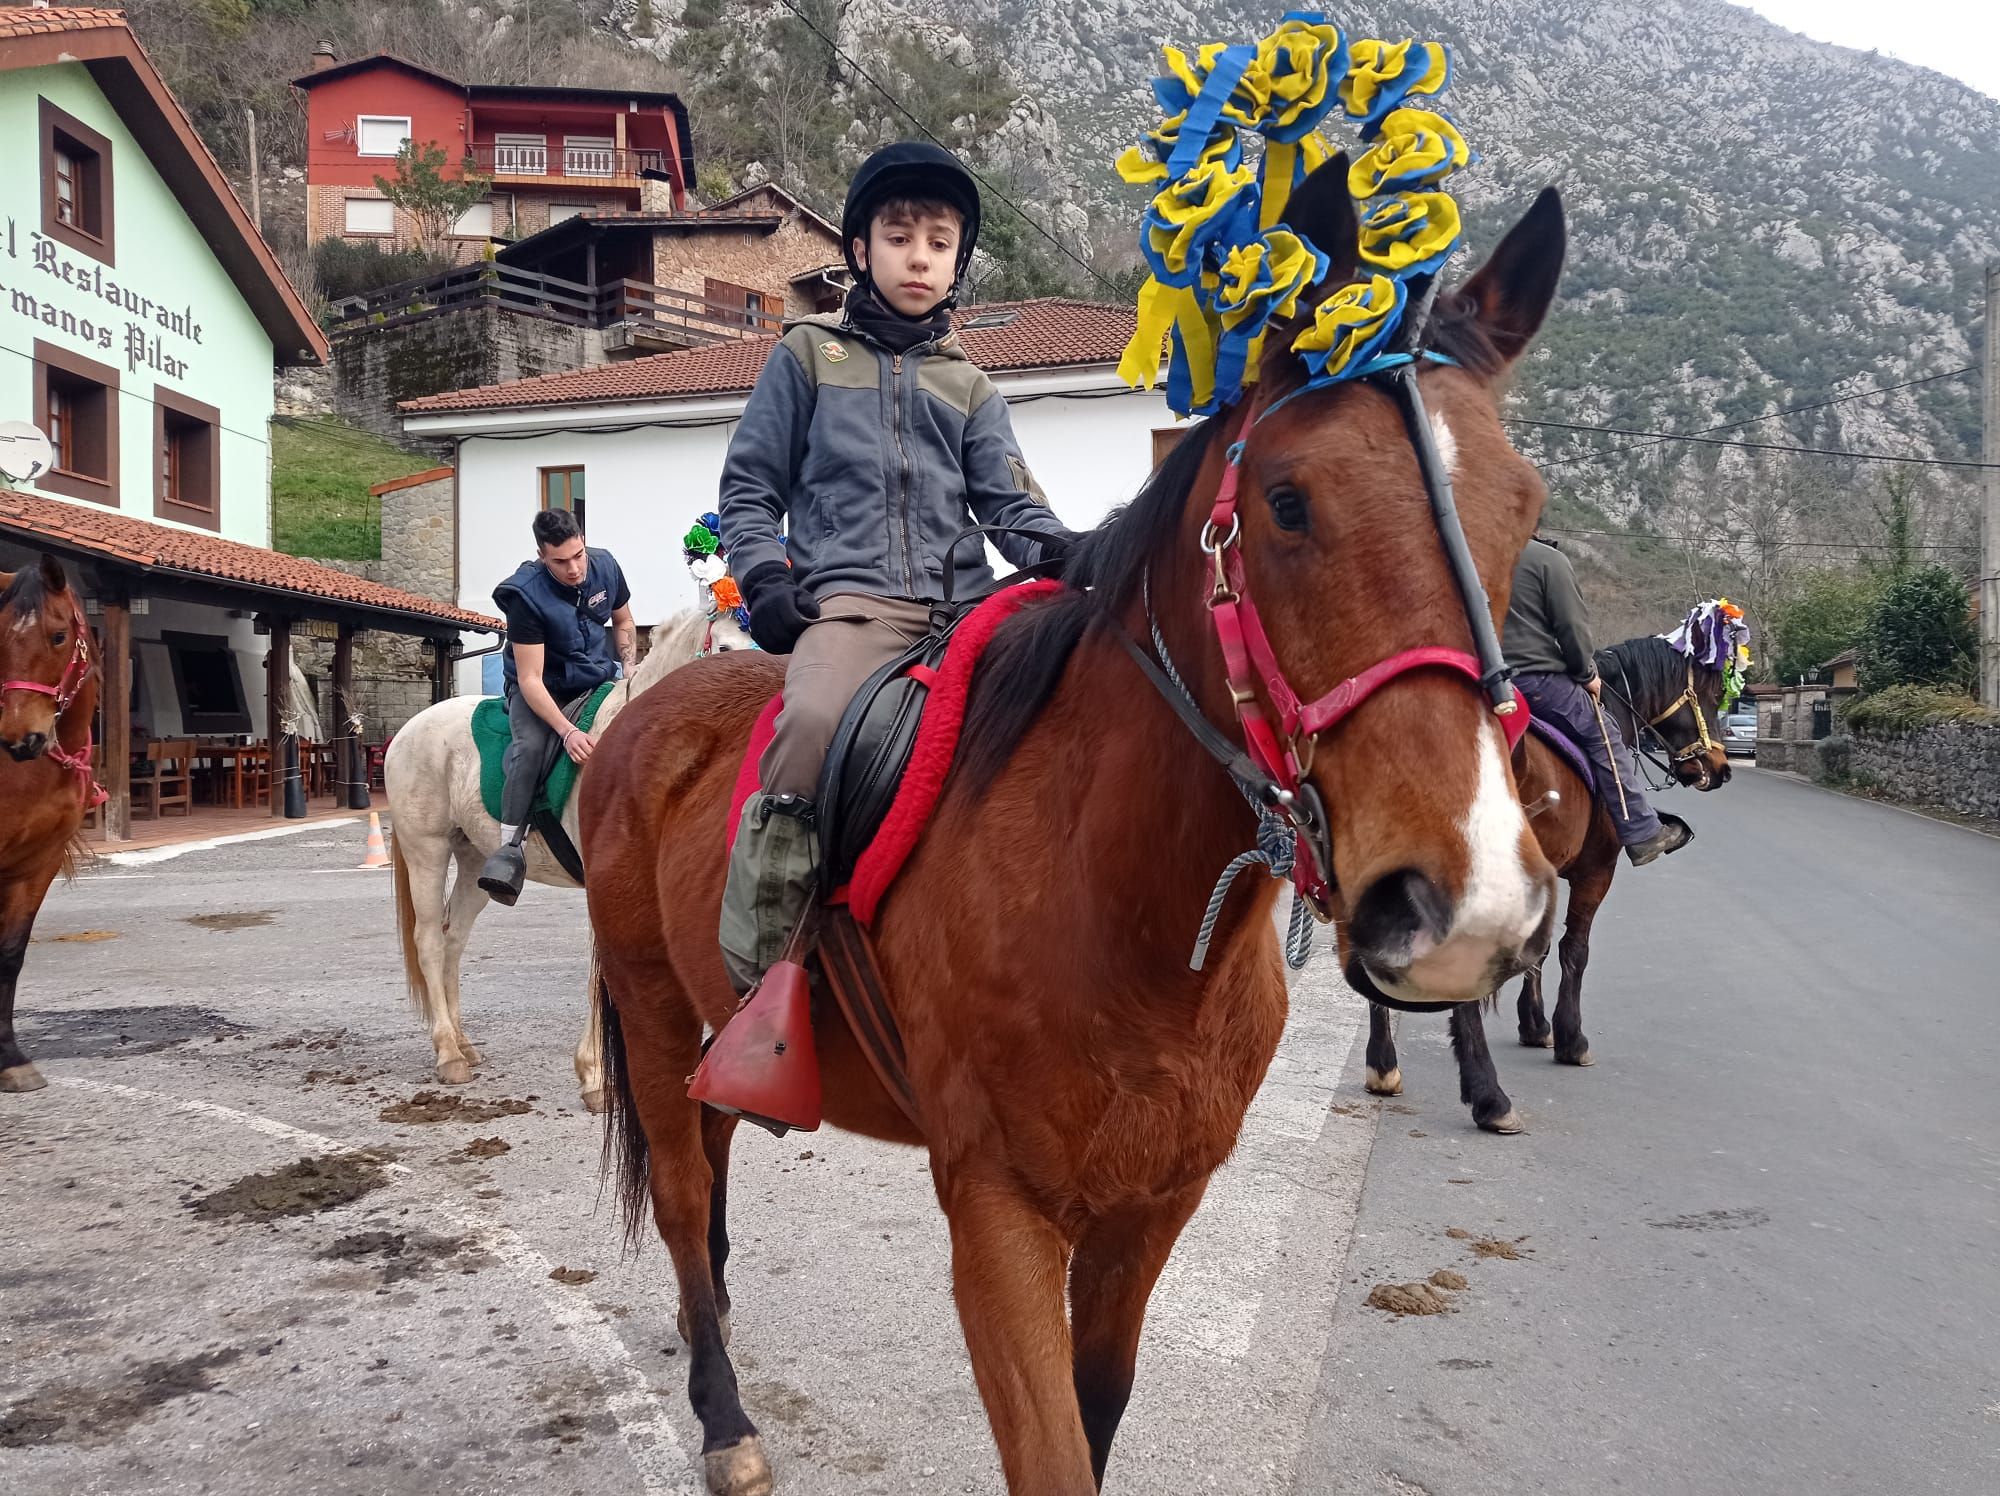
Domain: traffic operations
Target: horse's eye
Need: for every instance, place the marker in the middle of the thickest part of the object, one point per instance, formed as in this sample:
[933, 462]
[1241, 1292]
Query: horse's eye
[1288, 508]
[56, 639]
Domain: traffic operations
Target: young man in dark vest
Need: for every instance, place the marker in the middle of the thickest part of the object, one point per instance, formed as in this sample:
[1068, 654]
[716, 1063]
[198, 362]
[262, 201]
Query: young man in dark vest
[564, 612]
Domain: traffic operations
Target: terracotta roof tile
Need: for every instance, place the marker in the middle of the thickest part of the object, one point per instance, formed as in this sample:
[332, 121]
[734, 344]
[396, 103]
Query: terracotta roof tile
[137, 542]
[25, 20]
[1049, 333]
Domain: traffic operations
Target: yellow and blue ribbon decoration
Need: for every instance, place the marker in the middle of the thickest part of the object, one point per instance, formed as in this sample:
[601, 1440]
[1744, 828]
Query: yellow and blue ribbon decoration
[1224, 263]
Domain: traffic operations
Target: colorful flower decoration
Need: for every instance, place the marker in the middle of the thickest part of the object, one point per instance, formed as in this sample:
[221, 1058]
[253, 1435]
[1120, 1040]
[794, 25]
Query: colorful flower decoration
[1223, 261]
[727, 598]
[1716, 636]
[704, 537]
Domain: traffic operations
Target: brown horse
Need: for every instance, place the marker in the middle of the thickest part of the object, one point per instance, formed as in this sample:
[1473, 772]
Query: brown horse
[48, 694]
[1078, 1083]
[1648, 687]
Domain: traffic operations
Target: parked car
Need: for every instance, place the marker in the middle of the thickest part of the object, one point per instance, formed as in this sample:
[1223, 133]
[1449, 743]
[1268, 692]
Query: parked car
[1739, 733]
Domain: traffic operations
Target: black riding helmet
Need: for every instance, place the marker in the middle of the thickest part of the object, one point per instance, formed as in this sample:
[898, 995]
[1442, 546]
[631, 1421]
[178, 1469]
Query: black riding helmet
[910, 168]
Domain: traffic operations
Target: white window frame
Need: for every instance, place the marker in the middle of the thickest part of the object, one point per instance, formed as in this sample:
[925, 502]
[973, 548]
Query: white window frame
[520, 155]
[578, 149]
[558, 212]
[460, 229]
[347, 217]
[361, 125]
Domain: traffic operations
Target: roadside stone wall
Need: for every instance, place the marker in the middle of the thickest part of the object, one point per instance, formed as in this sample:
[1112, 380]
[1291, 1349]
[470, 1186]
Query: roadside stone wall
[1952, 764]
[376, 367]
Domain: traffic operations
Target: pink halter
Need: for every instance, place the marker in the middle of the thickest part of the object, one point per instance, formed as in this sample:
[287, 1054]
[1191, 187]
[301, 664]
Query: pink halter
[75, 673]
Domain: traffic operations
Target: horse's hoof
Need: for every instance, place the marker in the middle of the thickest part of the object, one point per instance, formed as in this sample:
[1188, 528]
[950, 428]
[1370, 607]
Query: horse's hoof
[471, 1055]
[593, 1102]
[1585, 1058]
[1385, 1085]
[1510, 1123]
[21, 1078]
[681, 1325]
[454, 1073]
[739, 1470]
[1538, 1041]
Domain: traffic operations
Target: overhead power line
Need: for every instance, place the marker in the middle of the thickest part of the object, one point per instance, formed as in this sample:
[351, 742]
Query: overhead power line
[1719, 441]
[1790, 410]
[1833, 545]
[897, 104]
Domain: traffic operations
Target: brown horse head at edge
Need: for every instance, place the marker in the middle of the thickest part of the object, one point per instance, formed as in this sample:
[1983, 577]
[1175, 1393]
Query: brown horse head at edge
[39, 616]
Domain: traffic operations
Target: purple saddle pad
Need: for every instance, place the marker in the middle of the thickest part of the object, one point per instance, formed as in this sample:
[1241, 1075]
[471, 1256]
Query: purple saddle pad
[1565, 745]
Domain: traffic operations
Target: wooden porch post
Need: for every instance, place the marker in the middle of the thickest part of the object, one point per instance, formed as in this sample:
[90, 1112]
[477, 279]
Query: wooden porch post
[277, 685]
[114, 700]
[343, 712]
[440, 670]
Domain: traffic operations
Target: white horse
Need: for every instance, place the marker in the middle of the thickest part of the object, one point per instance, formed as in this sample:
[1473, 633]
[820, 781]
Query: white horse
[431, 775]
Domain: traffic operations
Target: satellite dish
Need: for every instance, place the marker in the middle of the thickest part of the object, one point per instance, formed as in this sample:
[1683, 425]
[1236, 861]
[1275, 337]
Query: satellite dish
[25, 454]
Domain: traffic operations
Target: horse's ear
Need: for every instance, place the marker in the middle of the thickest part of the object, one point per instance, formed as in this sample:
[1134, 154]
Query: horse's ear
[1514, 288]
[1322, 212]
[54, 578]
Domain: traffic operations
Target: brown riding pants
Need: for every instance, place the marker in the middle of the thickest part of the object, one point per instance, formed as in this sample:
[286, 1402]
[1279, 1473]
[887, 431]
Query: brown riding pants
[855, 636]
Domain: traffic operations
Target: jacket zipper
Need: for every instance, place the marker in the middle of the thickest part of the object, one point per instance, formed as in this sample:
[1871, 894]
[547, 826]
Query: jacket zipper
[903, 458]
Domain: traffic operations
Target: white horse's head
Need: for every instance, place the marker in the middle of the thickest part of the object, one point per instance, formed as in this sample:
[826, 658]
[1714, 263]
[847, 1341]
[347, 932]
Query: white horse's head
[725, 634]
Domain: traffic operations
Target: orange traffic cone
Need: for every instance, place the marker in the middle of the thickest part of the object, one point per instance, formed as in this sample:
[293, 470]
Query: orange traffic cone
[763, 1066]
[378, 855]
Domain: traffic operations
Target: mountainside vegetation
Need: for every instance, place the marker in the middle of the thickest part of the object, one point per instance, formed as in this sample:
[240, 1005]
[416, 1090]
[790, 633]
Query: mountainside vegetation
[1764, 228]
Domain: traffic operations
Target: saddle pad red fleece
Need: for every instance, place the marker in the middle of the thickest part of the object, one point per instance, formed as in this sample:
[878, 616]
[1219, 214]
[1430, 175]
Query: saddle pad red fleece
[930, 756]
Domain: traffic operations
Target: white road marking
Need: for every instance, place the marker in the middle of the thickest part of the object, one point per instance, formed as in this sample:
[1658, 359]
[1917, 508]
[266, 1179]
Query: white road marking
[650, 1441]
[209, 844]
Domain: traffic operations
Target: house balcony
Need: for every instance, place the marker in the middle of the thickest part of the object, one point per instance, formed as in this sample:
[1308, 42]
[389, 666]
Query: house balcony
[605, 165]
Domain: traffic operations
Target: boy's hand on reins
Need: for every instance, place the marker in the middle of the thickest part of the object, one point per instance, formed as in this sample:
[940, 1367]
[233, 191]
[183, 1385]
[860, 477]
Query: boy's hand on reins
[780, 609]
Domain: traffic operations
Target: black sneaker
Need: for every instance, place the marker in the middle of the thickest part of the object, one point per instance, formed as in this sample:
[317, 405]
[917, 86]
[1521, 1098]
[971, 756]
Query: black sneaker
[505, 871]
[1671, 837]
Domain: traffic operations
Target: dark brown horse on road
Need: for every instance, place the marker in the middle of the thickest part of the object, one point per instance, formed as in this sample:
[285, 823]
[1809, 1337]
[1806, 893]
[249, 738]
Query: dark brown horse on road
[48, 694]
[1078, 1083]
[1649, 687]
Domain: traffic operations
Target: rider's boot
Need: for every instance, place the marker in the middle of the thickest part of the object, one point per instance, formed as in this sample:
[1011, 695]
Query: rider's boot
[763, 1065]
[1674, 833]
[507, 869]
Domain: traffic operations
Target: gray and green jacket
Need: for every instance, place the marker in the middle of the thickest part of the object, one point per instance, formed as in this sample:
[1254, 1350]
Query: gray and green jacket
[1547, 631]
[863, 464]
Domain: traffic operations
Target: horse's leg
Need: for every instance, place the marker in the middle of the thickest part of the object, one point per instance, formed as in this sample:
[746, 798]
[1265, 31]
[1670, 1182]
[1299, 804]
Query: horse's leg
[20, 900]
[1587, 890]
[1534, 1022]
[1385, 1077]
[1111, 1277]
[588, 1061]
[424, 861]
[662, 1040]
[717, 1129]
[467, 900]
[1478, 1081]
[1007, 1265]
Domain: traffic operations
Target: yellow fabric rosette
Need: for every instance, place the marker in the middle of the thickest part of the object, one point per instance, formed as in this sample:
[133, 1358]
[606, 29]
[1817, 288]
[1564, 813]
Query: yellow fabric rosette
[1409, 232]
[1380, 72]
[1296, 63]
[1182, 210]
[1350, 325]
[1416, 148]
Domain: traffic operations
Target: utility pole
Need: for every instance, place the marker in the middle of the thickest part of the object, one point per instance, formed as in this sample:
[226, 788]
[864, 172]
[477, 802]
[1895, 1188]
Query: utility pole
[1989, 552]
[256, 174]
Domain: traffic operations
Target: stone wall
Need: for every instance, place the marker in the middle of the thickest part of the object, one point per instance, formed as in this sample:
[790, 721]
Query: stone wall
[760, 260]
[1955, 765]
[377, 366]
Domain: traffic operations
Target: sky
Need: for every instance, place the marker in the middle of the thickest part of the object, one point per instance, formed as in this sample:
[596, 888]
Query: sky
[1960, 38]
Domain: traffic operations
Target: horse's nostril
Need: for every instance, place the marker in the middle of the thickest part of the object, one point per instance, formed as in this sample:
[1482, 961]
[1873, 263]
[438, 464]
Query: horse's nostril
[1397, 912]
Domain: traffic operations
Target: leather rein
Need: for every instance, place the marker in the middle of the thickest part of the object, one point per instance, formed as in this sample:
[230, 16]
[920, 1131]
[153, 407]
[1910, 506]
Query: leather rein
[1279, 744]
[75, 673]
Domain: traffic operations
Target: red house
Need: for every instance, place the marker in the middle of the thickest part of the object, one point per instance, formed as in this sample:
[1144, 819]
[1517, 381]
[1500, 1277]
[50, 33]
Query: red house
[551, 152]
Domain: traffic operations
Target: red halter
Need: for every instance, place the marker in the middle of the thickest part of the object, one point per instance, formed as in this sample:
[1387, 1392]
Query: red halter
[1285, 751]
[75, 673]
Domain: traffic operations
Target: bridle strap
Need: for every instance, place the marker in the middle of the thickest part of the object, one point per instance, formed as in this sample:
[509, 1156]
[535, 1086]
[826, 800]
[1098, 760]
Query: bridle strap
[65, 690]
[1688, 698]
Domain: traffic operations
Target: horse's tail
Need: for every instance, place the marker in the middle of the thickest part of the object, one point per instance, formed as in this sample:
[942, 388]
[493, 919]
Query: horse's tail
[406, 924]
[627, 1155]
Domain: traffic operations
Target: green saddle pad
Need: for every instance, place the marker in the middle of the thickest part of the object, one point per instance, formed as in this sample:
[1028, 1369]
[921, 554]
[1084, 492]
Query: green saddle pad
[491, 733]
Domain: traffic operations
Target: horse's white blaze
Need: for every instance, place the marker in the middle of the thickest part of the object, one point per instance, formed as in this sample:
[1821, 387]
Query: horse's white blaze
[1447, 444]
[1501, 905]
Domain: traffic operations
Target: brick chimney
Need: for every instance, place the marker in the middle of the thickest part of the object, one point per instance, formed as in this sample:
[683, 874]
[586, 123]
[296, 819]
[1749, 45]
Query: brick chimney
[323, 57]
[656, 192]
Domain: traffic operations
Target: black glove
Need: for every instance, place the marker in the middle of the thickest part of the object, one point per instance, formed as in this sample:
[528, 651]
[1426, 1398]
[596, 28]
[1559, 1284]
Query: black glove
[1057, 544]
[780, 609]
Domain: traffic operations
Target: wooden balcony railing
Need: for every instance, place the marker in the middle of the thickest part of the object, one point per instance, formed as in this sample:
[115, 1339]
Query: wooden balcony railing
[588, 163]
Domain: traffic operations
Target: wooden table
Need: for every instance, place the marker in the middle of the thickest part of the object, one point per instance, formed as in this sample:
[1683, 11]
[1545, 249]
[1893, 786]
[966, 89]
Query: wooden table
[228, 761]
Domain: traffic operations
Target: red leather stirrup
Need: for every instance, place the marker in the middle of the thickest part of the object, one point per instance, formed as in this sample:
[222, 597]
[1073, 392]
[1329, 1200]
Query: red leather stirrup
[764, 1066]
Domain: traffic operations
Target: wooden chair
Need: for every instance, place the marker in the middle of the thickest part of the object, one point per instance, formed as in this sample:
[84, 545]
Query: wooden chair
[168, 779]
[257, 774]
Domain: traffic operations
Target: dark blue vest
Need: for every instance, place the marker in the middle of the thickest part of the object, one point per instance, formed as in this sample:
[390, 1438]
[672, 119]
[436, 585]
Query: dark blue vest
[576, 652]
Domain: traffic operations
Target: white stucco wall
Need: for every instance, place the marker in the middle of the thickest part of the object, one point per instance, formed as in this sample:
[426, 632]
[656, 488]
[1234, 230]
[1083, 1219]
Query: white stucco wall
[644, 487]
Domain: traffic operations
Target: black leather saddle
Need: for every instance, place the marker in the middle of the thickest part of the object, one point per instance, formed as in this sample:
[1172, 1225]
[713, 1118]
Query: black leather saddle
[872, 745]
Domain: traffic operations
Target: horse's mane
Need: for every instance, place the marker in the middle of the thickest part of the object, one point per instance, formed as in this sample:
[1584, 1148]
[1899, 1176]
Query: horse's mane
[1030, 651]
[1655, 669]
[674, 643]
[25, 593]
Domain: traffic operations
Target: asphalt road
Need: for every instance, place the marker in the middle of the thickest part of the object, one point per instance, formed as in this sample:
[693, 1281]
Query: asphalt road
[1753, 1247]
[1759, 1241]
[210, 1019]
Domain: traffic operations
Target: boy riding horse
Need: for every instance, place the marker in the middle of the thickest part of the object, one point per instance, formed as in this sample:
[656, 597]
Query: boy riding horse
[871, 442]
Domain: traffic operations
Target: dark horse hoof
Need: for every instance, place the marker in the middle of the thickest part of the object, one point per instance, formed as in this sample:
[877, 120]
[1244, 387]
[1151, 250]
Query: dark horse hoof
[1509, 1122]
[1544, 1040]
[1581, 1057]
[21, 1078]
[738, 1470]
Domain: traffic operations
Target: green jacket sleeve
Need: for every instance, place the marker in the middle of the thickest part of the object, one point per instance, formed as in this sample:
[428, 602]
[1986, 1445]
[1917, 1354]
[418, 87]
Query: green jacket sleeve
[1568, 619]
